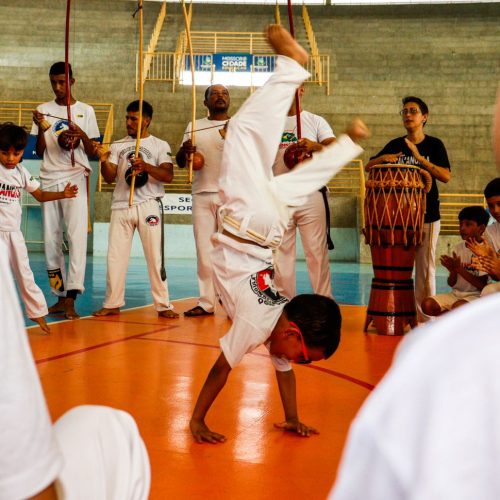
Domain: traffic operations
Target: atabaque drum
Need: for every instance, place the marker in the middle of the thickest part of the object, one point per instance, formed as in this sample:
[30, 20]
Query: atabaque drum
[394, 220]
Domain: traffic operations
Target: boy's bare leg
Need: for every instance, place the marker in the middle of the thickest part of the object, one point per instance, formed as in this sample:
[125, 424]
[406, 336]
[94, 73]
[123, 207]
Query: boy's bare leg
[69, 309]
[58, 307]
[284, 44]
[42, 324]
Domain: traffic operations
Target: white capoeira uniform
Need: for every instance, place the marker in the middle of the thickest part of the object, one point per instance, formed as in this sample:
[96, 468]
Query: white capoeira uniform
[462, 290]
[310, 218]
[70, 214]
[206, 202]
[93, 452]
[256, 208]
[12, 182]
[429, 430]
[144, 215]
[492, 236]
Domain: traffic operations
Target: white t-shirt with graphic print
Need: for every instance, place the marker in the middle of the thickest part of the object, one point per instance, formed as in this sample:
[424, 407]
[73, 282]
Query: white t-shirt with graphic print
[56, 165]
[313, 127]
[465, 255]
[492, 235]
[12, 181]
[155, 152]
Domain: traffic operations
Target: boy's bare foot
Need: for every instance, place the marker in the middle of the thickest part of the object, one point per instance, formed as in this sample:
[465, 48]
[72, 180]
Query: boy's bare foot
[58, 307]
[168, 314]
[105, 311]
[42, 324]
[357, 130]
[284, 44]
[202, 433]
[69, 309]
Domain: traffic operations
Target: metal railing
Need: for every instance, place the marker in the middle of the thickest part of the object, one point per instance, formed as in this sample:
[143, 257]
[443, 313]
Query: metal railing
[168, 66]
[20, 113]
[154, 40]
[317, 67]
[450, 206]
[228, 41]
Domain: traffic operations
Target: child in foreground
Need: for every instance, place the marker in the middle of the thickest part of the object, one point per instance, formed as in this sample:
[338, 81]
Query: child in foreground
[13, 178]
[466, 281]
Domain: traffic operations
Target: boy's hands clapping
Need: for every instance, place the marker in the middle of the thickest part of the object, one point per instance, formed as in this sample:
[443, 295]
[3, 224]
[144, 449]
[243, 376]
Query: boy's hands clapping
[452, 263]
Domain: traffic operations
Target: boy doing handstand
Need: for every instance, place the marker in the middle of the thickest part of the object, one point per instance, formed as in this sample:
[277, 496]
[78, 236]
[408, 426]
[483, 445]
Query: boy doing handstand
[13, 178]
[253, 217]
[465, 280]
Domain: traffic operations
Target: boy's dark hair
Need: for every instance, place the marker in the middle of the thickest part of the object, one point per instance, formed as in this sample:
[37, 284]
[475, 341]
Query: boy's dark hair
[476, 213]
[59, 68]
[147, 109]
[421, 104]
[12, 136]
[492, 188]
[319, 320]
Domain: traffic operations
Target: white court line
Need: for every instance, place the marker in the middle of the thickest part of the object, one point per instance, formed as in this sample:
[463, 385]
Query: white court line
[92, 316]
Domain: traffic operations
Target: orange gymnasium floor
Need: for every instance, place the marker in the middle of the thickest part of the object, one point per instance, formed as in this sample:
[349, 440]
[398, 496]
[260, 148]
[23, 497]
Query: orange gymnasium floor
[154, 368]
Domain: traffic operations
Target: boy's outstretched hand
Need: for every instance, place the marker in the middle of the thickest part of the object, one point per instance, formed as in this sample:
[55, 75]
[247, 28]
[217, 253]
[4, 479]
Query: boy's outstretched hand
[294, 425]
[202, 434]
[70, 191]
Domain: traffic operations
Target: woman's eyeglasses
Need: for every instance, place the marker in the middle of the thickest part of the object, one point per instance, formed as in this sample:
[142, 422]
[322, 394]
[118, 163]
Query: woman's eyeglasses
[409, 111]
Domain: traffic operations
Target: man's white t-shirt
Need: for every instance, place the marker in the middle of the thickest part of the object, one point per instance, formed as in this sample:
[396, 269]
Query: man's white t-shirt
[210, 143]
[492, 234]
[29, 457]
[56, 165]
[153, 151]
[12, 181]
[313, 127]
[465, 255]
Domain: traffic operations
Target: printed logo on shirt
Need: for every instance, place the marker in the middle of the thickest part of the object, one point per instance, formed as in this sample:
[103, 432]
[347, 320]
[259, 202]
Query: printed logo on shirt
[262, 285]
[9, 194]
[129, 152]
[55, 279]
[287, 138]
[131, 156]
[410, 160]
[152, 220]
[59, 127]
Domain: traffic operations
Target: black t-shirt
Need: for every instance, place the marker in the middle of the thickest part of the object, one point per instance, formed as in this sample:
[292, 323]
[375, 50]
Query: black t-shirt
[432, 149]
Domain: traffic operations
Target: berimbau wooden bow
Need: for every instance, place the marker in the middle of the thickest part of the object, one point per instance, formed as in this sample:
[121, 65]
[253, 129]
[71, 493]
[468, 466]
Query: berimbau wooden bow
[297, 96]
[67, 78]
[187, 23]
[141, 99]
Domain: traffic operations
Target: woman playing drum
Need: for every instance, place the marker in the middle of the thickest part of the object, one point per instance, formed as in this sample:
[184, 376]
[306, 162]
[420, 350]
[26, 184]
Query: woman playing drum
[429, 153]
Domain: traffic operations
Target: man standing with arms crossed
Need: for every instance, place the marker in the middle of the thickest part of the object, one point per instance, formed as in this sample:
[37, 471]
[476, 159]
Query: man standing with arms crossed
[210, 132]
[56, 171]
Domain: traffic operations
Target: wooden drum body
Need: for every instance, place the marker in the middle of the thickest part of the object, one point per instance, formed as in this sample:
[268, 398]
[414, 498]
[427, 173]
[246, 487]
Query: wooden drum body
[394, 220]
